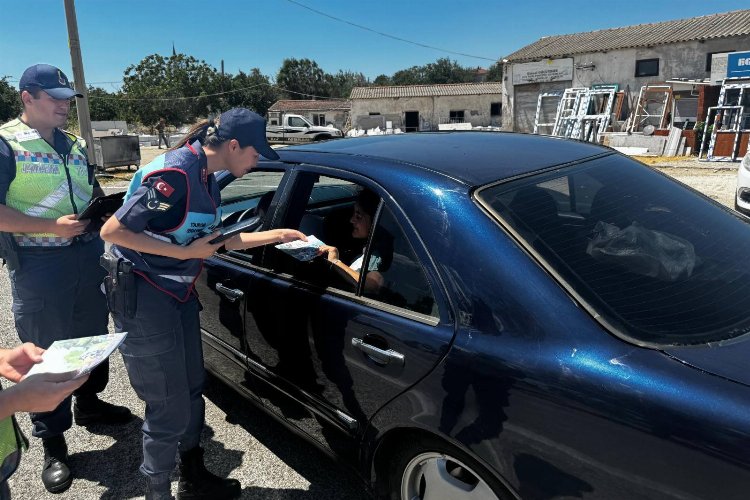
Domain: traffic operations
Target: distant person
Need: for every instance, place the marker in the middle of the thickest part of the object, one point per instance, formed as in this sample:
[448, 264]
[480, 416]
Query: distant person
[37, 393]
[45, 180]
[160, 127]
[161, 235]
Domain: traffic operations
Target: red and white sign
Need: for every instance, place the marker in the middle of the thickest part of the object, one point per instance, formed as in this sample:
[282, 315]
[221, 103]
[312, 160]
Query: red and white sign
[164, 188]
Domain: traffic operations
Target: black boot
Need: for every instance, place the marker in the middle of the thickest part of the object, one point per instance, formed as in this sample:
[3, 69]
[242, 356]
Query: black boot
[92, 410]
[158, 491]
[55, 474]
[197, 482]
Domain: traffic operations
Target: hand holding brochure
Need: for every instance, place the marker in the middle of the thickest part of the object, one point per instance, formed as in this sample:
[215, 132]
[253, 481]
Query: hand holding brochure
[302, 250]
[77, 355]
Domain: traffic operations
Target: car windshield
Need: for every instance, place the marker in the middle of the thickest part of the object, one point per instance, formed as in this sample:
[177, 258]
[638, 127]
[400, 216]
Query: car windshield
[651, 259]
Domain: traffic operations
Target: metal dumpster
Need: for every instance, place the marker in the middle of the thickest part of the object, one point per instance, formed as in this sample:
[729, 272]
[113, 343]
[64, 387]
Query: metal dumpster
[117, 151]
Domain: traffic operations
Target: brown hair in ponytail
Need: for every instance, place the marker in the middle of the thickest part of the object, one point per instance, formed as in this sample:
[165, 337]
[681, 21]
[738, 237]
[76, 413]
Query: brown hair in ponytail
[204, 131]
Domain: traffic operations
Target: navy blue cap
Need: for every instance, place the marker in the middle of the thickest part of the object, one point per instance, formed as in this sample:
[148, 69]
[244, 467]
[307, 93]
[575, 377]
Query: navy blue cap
[48, 78]
[248, 128]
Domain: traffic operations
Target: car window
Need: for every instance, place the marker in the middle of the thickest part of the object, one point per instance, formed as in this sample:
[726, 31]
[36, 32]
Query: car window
[390, 270]
[249, 196]
[655, 260]
[404, 283]
[325, 213]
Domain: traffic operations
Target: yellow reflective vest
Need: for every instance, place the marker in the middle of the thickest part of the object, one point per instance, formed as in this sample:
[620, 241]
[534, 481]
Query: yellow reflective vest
[47, 184]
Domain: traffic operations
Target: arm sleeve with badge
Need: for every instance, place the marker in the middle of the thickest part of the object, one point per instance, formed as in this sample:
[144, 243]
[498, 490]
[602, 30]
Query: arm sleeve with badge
[159, 201]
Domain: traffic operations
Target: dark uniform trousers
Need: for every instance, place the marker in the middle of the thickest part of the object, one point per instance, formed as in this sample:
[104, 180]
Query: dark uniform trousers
[57, 296]
[164, 359]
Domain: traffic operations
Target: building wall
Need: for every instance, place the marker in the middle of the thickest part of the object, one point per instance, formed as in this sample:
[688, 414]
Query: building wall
[432, 110]
[680, 60]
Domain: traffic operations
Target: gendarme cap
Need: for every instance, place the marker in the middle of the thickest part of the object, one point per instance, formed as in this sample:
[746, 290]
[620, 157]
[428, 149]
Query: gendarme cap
[248, 128]
[48, 78]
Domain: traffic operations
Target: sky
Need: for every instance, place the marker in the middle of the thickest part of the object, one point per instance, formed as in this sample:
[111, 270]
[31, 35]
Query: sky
[262, 33]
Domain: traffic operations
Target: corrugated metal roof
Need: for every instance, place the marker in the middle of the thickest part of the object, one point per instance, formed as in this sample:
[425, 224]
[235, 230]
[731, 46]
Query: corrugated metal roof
[308, 105]
[446, 89]
[728, 24]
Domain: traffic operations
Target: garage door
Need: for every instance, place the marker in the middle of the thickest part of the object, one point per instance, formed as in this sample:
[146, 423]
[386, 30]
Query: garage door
[525, 97]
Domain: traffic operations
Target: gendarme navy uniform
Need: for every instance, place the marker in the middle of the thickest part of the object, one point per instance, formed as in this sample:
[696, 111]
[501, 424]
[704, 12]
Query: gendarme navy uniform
[172, 199]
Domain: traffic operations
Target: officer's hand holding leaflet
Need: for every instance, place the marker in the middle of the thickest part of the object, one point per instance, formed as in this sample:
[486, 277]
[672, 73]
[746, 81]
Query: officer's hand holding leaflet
[250, 240]
[36, 393]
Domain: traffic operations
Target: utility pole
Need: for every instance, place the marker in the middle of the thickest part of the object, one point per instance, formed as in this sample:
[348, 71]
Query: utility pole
[82, 105]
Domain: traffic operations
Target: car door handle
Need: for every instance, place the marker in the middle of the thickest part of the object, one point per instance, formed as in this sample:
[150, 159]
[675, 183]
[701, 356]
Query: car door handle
[231, 293]
[377, 354]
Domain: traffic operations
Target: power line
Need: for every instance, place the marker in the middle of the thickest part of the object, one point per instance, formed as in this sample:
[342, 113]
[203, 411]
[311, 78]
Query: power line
[210, 95]
[387, 35]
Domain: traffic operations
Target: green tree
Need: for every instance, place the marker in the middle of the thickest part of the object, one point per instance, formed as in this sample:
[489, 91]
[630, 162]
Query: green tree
[160, 86]
[302, 79]
[10, 102]
[412, 76]
[495, 72]
[342, 83]
[258, 93]
[446, 71]
[382, 80]
[104, 105]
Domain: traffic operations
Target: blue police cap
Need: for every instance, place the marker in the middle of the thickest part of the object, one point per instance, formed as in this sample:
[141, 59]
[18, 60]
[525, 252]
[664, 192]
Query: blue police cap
[248, 128]
[48, 78]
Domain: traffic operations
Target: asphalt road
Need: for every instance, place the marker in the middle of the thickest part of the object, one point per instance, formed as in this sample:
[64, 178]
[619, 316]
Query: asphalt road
[240, 442]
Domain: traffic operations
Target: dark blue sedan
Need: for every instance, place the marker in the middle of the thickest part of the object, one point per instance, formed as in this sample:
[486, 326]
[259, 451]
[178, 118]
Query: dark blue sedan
[528, 317]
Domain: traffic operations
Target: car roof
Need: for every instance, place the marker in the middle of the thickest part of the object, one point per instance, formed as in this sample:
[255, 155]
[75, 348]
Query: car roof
[474, 158]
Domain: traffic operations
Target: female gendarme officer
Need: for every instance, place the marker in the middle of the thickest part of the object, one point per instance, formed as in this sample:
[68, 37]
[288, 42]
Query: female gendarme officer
[162, 233]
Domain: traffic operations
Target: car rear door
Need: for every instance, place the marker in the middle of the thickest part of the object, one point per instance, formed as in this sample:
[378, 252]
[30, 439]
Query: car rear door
[341, 353]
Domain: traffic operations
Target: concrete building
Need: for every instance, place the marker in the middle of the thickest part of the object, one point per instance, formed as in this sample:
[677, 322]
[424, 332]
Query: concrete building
[320, 112]
[628, 57]
[414, 108]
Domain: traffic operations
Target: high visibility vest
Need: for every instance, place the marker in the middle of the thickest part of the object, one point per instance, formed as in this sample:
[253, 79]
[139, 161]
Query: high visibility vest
[47, 185]
[12, 444]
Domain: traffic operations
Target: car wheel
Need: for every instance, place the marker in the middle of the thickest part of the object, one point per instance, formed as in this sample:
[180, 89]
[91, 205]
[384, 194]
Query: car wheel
[431, 470]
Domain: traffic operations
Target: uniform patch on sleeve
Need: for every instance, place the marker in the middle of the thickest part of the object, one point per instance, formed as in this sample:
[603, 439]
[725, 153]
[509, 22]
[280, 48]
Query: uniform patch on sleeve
[153, 203]
[164, 188]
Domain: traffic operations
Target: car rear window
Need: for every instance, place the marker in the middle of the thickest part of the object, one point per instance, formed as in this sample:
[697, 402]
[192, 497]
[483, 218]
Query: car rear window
[656, 262]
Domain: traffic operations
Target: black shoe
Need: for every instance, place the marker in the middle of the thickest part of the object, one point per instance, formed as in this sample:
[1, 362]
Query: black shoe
[88, 411]
[161, 492]
[197, 482]
[55, 473]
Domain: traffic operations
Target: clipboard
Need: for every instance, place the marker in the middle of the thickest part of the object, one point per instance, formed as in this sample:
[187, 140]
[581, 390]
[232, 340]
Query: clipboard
[101, 206]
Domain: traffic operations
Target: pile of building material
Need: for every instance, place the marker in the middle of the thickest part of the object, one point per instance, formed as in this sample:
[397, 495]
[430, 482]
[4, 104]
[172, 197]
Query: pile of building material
[654, 108]
[582, 113]
[730, 118]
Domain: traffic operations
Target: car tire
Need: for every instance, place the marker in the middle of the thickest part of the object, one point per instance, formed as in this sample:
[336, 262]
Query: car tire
[429, 465]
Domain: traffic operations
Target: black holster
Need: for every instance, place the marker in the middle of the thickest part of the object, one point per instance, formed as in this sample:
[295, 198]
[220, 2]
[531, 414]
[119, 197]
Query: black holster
[119, 285]
[9, 251]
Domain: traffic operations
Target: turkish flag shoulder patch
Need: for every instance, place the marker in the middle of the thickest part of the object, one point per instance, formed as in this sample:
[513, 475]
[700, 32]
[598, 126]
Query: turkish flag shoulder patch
[164, 188]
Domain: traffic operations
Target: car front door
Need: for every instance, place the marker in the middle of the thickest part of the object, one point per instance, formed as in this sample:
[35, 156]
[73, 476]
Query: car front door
[341, 351]
[222, 286]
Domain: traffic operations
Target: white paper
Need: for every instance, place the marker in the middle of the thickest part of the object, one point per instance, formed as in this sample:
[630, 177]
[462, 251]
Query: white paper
[77, 355]
[302, 250]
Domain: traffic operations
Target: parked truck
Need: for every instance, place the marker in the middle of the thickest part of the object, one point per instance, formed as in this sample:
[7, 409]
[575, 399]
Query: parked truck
[287, 127]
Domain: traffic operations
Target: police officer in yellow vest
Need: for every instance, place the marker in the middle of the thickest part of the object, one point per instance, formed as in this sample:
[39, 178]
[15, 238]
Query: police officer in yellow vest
[45, 180]
[40, 392]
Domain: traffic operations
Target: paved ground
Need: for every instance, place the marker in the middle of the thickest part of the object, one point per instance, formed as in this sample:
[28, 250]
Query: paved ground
[270, 462]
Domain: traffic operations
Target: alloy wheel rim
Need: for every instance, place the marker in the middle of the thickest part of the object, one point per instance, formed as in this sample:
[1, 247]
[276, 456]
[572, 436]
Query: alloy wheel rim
[438, 476]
